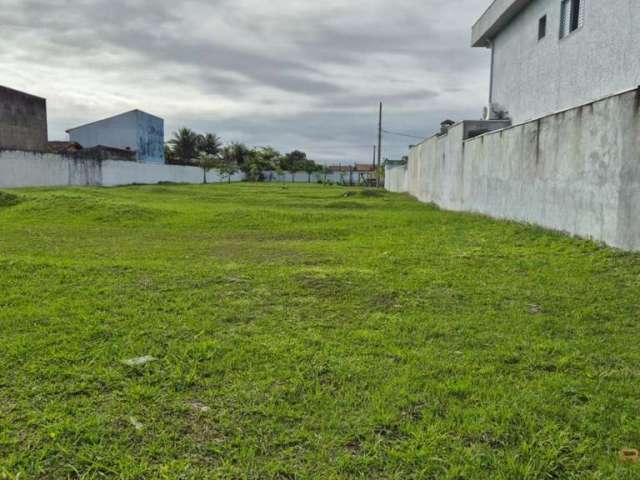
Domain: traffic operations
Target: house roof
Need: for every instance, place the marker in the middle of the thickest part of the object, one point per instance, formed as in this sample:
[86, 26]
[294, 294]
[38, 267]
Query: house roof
[109, 118]
[364, 167]
[494, 19]
[340, 168]
[63, 147]
[394, 163]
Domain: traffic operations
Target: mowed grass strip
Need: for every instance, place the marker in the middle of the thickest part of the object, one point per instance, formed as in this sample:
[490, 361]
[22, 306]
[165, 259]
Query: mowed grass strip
[307, 332]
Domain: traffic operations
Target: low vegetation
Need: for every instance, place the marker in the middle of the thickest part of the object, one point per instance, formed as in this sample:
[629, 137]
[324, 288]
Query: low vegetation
[255, 331]
[208, 152]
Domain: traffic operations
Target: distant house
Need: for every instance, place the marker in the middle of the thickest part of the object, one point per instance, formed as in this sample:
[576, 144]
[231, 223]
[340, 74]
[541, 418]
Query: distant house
[551, 55]
[135, 131]
[23, 121]
[364, 168]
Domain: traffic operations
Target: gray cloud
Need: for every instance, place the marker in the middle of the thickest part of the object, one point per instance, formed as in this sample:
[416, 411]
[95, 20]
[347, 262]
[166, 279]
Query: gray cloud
[299, 74]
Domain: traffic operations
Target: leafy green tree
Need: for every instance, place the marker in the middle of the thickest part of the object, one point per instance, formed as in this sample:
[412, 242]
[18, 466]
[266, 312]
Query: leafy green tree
[260, 161]
[269, 156]
[184, 145]
[326, 171]
[293, 162]
[227, 170]
[208, 162]
[310, 167]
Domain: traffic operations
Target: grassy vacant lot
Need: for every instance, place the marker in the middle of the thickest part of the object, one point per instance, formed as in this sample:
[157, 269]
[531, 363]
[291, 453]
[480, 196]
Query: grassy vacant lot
[305, 333]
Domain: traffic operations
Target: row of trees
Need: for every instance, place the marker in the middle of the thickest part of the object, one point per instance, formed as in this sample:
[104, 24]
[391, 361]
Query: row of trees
[208, 152]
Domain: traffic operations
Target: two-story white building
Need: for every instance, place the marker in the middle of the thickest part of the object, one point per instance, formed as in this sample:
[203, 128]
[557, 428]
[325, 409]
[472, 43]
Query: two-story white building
[551, 55]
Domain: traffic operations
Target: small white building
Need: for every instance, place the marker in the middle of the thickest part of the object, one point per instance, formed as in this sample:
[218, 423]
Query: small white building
[551, 55]
[135, 130]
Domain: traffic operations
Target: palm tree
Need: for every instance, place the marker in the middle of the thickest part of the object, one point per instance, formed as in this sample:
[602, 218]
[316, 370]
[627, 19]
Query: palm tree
[169, 156]
[210, 144]
[237, 153]
[185, 144]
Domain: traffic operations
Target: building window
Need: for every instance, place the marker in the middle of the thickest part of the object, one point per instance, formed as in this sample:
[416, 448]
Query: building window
[571, 16]
[542, 28]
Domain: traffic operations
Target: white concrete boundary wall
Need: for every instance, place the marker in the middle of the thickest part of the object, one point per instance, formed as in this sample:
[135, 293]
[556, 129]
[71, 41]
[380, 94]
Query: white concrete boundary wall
[27, 169]
[125, 173]
[303, 177]
[576, 171]
[395, 178]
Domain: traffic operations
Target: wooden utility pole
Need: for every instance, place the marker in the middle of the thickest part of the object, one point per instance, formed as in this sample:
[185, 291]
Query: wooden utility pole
[379, 147]
[374, 156]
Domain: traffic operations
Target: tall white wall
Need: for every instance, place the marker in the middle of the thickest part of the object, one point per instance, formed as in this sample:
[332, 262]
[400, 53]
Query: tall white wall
[396, 179]
[533, 78]
[576, 171]
[27, 169]
[125, 173]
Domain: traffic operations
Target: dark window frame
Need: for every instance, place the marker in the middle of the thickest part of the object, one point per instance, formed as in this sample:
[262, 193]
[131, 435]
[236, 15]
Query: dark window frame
[542, 27]
[575, 15]
[574, 10]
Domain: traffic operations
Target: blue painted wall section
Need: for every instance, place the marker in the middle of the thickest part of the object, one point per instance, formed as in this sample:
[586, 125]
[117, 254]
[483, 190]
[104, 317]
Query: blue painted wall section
[150, 146]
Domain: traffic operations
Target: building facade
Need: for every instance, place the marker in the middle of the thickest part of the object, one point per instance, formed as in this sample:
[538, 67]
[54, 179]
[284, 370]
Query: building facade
[23, 121]
[136, 131]
[551, 55]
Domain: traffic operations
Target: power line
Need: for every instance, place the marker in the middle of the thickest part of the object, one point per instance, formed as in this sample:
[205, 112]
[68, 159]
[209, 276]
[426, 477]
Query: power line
[403, 134]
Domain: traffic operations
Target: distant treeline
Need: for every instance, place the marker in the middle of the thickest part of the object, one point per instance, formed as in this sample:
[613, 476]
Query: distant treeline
[209, 152]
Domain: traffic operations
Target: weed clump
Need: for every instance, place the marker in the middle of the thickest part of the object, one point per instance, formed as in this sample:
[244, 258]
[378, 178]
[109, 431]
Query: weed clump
[8, 199]
[371, 193]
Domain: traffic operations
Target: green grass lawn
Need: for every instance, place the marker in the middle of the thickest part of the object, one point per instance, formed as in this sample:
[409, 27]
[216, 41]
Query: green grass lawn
[307, 332]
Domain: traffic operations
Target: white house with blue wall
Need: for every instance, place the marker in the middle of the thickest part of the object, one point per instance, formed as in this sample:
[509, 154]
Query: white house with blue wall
[551, 55]
[135, 130]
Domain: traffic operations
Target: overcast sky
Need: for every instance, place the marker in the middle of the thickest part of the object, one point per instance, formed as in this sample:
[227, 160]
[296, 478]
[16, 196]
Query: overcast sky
[289, 73]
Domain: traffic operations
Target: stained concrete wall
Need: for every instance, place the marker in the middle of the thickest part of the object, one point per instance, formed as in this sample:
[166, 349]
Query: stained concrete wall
[135, 130]
[27, 169]
[577, 171]
[395, 178]
[533, 78]
[23, 121]
[303, 177]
